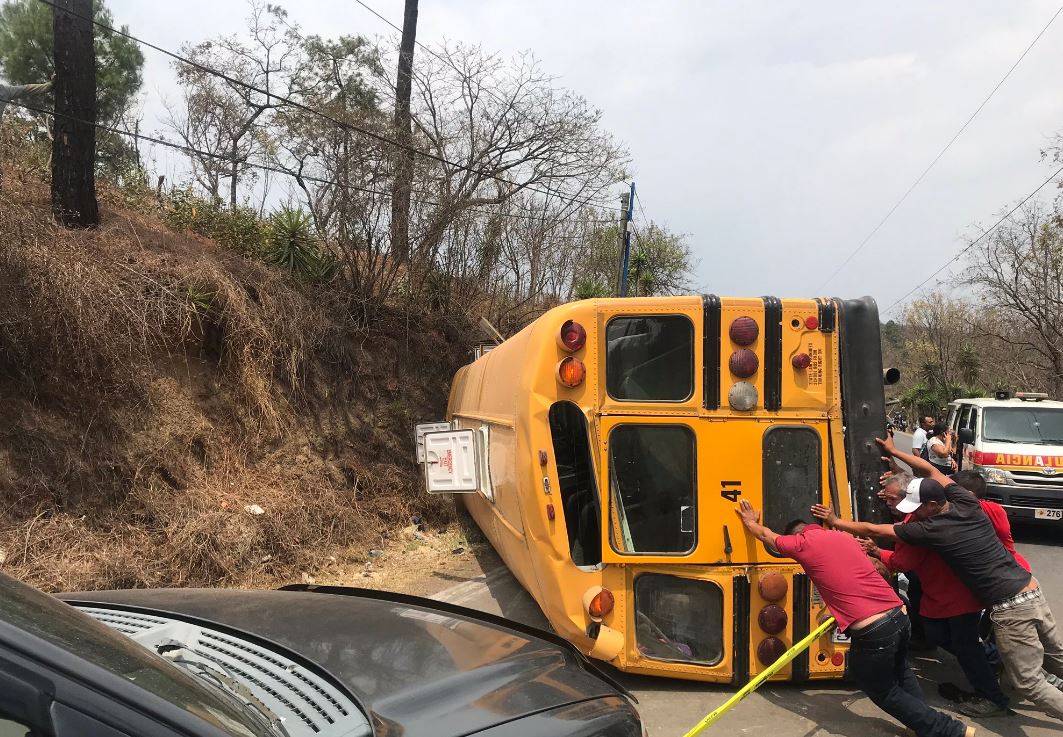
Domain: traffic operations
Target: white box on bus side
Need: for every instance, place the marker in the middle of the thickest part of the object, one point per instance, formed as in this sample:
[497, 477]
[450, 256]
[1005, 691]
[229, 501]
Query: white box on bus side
[452, 462]
[427, 427]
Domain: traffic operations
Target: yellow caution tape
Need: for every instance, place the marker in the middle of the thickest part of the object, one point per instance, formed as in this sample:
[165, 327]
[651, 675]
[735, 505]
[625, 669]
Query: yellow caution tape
[753, 685]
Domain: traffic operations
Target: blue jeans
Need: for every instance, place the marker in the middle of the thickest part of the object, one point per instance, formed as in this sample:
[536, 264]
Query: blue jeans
[959, 635]
[878, 662]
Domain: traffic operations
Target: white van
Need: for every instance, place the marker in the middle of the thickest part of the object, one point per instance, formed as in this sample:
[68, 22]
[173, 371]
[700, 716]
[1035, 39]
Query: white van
[1016, 443]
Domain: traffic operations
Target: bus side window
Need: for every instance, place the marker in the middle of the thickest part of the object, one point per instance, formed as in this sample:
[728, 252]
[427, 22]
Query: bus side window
[575, 476]
[650, 359]
[793, 476]
[653, 506]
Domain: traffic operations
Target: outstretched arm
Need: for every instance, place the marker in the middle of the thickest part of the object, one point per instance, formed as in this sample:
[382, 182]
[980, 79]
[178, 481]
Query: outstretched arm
[919, 467]
[751, 519]
[860, 529]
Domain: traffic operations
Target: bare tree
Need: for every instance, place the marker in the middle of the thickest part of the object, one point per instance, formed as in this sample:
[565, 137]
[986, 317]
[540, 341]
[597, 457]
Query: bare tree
[228, 119]
[1018, 271]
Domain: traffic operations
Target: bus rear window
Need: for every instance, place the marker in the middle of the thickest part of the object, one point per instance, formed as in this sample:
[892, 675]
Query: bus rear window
[792, 474]
[650, 359]
[575, 476]
[651, 477]
[678, 619]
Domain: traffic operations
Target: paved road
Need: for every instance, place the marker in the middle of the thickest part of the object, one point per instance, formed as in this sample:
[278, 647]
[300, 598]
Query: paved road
[671, 707]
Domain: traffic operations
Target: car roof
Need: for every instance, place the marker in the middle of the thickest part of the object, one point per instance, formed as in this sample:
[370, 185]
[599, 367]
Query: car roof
[1012, 402]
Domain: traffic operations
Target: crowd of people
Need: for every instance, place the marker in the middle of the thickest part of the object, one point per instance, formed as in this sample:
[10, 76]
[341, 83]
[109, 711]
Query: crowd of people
[957, 551]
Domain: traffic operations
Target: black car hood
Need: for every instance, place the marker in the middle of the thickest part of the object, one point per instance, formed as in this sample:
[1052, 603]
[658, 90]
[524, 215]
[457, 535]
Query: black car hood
[419, 668]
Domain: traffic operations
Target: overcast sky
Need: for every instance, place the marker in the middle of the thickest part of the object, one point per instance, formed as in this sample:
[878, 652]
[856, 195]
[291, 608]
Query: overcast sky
[775, 134]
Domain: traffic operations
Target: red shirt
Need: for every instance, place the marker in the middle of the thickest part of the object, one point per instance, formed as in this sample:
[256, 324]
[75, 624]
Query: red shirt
[999, 519]
[944, 595]
[843, 575]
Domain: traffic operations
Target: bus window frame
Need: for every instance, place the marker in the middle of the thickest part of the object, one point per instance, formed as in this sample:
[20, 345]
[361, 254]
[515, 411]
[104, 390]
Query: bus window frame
[664, 421]
[727, 633]
[824, 469]
[693, 357]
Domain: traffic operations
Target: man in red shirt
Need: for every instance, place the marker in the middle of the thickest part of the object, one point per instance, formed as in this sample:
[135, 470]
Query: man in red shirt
[868, 610]
[951, 612]
[974, 483]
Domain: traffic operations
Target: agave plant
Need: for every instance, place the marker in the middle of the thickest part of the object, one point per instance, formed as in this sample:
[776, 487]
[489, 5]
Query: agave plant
[293, 246]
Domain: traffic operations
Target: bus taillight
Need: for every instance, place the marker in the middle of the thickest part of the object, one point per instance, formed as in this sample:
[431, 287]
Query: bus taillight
[743, 363]
[770, 649]
[572, 336]
[744, 330]
[571, 372]
[772, 619]
[773, 586]
[801, 361]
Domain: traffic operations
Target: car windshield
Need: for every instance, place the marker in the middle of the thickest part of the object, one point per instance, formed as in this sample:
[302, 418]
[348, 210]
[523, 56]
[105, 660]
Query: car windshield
[1024, 425]
[62, 625]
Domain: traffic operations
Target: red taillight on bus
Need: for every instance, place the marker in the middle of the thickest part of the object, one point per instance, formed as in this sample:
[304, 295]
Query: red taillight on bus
[837, 659]
[572, 336]
[801, 361]
[770, 649]
[772, 586]
[772, 619]
[811, 322]
[743, 363]
[571, 372]
[744, 330]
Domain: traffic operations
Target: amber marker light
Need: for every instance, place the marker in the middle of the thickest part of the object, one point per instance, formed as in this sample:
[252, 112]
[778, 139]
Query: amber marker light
[598, 602]
[571, 372]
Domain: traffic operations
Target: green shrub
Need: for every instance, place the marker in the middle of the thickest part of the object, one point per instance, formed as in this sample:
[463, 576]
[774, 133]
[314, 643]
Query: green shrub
[238, 228]
[293, 246]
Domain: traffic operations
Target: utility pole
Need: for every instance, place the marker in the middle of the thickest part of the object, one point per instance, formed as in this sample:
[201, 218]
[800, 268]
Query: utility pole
[627, 205]
[403, 181]
[74, 133]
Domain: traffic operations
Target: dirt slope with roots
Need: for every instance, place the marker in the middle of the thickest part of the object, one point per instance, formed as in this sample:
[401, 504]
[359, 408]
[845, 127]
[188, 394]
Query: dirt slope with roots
[172, 413]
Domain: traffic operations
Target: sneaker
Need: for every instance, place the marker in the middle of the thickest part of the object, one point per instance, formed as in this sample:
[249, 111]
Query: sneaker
[983, 708]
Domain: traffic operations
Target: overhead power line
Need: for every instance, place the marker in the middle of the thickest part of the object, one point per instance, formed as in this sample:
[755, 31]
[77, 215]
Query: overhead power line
[941, 153]
[323, 115]
[266, 167]
[977, 240]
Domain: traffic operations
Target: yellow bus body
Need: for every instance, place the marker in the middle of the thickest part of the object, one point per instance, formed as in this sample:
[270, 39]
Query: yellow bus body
[507, 395]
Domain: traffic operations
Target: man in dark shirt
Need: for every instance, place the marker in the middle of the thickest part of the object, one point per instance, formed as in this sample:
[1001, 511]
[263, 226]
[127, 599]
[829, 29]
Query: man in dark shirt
[949, 519]
[868, 610]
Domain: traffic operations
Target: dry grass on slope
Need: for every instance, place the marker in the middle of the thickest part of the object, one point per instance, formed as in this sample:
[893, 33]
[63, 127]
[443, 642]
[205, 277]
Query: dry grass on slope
[155, 387]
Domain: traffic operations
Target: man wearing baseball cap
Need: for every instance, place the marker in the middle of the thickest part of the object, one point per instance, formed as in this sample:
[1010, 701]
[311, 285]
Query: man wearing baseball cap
[949, 519]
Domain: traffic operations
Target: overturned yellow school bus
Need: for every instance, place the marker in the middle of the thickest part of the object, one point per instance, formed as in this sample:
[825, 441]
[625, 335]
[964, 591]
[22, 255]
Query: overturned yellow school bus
[603, 448]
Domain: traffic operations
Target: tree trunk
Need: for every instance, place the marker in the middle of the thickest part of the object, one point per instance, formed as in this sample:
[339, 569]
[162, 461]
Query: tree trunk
[234, 170]
[74, 140]
[400, 187]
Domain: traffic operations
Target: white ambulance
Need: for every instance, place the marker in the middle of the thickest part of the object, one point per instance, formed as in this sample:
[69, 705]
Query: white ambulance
[1016, 443]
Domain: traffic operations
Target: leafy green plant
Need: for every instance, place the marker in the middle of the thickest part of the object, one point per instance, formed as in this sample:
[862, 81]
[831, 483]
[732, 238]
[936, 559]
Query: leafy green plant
[292, 245]
[590, 288]
[238, 228]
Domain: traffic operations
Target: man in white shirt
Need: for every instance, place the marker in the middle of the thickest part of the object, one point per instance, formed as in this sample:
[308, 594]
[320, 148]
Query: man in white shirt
[919, 436]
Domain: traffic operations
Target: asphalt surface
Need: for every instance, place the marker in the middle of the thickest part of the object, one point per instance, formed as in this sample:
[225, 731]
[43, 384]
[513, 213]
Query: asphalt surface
[670, 707]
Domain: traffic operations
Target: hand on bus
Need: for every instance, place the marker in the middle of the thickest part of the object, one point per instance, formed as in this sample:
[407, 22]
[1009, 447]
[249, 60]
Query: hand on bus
[887, 445]
[747, 513]
[824, 513]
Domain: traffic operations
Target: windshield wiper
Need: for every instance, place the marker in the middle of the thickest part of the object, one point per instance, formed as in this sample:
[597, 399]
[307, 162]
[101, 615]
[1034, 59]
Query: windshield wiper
[219, 676]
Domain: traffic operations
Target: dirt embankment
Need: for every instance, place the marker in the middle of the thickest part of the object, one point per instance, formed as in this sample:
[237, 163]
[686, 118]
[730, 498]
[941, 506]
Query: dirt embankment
[175, 414]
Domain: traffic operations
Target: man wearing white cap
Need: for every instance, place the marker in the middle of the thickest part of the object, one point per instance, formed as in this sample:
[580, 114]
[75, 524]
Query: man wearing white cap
[949, 519]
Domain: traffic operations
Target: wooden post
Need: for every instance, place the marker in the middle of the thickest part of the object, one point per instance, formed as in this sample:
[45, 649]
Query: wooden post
[74, 143]
[400, 187]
